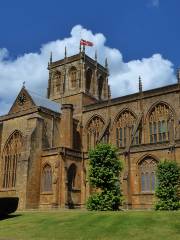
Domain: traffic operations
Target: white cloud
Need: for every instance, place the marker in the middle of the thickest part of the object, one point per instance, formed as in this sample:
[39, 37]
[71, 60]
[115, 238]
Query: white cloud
[3, 53]
[32, 67]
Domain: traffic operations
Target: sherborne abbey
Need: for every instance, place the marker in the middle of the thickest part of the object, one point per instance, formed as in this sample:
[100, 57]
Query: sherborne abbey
[44, 141]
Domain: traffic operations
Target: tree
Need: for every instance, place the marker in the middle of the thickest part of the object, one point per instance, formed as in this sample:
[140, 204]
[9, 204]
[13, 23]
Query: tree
[168, 176]
[104, 173]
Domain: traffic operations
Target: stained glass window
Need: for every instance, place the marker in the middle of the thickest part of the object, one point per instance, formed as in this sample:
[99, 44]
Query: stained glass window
[147, 169]
[94, 130]
[124, 129]
[158, 123]
[11, 156]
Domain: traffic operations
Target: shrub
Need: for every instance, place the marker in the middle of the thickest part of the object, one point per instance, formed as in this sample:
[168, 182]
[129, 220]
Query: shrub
[104, 201]
[168, 175]
[104, 175]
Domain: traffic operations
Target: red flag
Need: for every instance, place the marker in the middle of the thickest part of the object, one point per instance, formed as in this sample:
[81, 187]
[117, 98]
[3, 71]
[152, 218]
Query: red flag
[86, 43]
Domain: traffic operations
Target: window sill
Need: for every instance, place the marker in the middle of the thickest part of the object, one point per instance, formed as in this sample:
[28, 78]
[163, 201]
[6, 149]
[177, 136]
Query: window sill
[159, 142]
[144, 193]
[132, 145]
[7, 190]
[46, 193]
[147, 193]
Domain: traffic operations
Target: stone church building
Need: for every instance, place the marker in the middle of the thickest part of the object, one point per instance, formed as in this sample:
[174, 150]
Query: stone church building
[44, 141]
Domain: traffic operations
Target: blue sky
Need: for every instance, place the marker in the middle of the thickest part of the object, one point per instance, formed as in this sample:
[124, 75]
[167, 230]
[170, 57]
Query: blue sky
[139, 37]
[136, 27]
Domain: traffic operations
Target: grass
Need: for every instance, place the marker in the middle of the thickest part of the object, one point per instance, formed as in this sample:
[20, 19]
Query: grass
[83, 225]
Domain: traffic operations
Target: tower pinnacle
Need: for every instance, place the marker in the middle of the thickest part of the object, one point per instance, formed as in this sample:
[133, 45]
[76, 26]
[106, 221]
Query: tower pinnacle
[140, 84]
[65, 52]
[178, 75]
[50, 60]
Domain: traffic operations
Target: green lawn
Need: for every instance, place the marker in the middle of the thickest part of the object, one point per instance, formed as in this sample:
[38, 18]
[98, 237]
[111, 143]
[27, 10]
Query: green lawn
[82, 225]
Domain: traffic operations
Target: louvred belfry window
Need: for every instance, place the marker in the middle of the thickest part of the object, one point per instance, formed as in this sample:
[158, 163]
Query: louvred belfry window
[11, 156]
[88, 79]
[73, 77]
[58, 82]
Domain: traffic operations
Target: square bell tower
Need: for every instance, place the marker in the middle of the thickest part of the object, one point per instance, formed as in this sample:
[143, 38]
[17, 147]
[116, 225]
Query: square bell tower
[78, 80]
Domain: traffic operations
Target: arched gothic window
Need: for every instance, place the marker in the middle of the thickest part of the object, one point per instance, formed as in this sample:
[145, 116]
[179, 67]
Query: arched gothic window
[88, 79]
[47, 178]
[73, 77]
[57, 82]
[11, 155]
[158, 123]
[147, 170]
[94, 129]
[124, 129]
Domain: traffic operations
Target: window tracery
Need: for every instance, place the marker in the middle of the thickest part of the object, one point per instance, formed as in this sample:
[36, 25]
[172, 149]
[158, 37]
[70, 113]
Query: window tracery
[11, 155]
[158, 123]
[147, 169]
[94, 129]
[124, 129]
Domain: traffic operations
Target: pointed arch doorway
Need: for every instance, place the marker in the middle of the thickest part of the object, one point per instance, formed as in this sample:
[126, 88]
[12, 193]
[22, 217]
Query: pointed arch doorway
[73, 190]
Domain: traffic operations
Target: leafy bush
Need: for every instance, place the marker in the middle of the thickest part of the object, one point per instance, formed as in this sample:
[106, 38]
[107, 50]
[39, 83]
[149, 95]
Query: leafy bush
[104, 201]
[168, 175]
[104, 175]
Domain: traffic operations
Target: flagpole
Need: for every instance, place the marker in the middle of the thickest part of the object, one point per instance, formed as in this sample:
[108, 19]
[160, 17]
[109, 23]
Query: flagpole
[84, 49]
[79, 47]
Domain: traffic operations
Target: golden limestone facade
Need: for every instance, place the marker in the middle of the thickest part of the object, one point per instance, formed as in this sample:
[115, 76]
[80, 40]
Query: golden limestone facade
[44, 141]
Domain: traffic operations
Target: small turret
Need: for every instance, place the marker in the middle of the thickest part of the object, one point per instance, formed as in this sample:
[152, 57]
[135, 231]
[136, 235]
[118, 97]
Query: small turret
[178, 75]
[106, 65]
[65, 52]
[50, 60]
[140, 84]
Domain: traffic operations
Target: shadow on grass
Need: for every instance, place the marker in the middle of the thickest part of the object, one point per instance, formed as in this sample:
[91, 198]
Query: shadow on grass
[4, 217]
